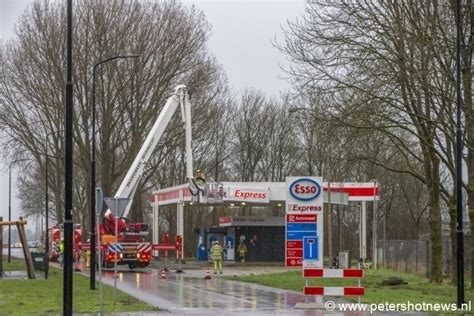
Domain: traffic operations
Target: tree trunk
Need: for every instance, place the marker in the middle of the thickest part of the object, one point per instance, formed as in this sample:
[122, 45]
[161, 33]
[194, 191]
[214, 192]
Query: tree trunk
[58, 195]
[452, 235]
[431, 162]
[105, 171]
[137, 209]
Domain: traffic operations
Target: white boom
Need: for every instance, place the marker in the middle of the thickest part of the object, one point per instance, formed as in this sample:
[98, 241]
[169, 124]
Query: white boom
[130, 182]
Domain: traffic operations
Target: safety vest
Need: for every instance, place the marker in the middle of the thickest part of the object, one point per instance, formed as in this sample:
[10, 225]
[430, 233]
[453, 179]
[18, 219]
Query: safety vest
[242, 249]
[216, 252]
[61, 247]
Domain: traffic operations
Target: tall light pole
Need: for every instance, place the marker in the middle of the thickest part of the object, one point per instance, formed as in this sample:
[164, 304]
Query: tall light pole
[93, 176]
[459, 207]
[10, 206]
[46, 211]
[68, 170]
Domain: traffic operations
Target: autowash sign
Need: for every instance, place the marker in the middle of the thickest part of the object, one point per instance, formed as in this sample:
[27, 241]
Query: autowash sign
[304, 220]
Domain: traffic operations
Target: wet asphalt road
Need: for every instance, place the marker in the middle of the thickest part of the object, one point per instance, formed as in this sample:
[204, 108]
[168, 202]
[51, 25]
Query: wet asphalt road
[180, 294]
[185, 294]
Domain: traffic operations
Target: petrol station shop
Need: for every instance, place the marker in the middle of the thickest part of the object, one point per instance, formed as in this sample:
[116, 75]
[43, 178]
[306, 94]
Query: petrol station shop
[264, 238]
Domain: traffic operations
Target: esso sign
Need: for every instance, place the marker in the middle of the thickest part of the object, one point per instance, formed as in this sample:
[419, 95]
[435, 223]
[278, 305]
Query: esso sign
[305, 189]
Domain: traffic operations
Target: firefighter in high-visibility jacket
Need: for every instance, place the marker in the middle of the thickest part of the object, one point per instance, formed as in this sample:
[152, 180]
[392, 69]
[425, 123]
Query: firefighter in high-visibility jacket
[216, 255]
[88, 256]
[242, 250]
[61, 251]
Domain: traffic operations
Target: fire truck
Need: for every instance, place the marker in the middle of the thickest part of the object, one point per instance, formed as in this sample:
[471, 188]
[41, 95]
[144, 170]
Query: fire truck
[131, 247]
[55, 236]
[119, 239]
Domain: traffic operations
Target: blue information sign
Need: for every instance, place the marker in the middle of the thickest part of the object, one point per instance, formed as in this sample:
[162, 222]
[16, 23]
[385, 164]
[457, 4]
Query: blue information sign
[301, 227]
[299, 235]
[310, 248]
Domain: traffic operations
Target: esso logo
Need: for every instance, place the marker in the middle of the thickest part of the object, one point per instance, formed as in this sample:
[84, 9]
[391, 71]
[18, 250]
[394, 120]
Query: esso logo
[305, 189]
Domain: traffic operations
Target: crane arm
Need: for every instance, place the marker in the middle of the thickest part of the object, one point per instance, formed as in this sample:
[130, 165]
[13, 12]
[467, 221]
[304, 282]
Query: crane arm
[180, 98]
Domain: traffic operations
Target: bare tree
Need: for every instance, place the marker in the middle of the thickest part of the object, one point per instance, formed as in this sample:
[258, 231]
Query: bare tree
[385, 66]
[279, 159]
[171, 39]
[250, 140]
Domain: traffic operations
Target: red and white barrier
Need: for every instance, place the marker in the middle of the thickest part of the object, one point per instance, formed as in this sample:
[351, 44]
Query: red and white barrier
[143, 247]
[333, 273]
[170, 247]
[333, 291]
[87, 246]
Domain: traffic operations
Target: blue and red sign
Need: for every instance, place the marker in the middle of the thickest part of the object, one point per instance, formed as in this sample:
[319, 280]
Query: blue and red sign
[305, 189]
[304, 220]
[298, 227]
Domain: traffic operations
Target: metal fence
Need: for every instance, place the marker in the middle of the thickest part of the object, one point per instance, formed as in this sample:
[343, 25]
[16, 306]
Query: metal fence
[448, 257]
[404, 255]
[414, 255]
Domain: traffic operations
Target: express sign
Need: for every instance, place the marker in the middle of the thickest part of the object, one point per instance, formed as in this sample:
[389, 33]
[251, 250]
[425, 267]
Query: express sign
[247, 195]
[305, 189]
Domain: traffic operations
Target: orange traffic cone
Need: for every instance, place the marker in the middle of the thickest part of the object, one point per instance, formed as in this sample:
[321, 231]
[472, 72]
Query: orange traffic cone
[208, 275]
[163, 274]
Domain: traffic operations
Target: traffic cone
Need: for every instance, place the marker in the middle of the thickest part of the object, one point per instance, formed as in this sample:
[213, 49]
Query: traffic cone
[77, 264]
[208, 275]
[163, 274]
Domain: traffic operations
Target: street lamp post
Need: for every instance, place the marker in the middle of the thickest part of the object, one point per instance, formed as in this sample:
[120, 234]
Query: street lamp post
[46, 210]
[10, 206]
[68, 169]
[9, 211]
[93, 176]
[458, 186]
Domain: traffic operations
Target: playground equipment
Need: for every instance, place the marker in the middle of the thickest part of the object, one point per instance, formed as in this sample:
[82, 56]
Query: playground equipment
[20, 224]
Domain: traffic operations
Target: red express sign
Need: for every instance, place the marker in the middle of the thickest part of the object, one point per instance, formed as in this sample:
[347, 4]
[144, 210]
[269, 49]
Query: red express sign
[292, 218]
[247, 195]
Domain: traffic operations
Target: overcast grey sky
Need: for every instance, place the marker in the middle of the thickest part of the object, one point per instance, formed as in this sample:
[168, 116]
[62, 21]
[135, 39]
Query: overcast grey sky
[240, 40]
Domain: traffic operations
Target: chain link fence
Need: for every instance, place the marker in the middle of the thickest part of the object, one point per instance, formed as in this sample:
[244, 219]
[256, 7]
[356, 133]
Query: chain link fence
[414, 255]
[404, 255]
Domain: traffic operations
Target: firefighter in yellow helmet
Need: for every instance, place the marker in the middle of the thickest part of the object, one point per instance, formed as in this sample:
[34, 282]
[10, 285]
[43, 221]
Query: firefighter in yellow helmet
[200, 177]
[216, 255]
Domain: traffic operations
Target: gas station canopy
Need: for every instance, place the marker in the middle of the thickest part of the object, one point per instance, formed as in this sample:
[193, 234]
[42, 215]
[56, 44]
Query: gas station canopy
[270, 193]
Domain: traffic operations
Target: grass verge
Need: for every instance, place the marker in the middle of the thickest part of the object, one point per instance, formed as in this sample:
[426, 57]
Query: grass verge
[15, 264]
[418, 289]
[40, 297]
